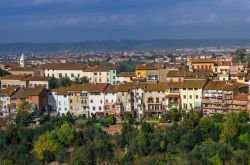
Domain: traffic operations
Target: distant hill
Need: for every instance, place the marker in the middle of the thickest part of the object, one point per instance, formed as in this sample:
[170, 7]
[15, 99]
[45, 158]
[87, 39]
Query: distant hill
[122, 45]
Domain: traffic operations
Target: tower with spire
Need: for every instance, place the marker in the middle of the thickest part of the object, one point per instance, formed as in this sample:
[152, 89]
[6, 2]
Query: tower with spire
[22, 61]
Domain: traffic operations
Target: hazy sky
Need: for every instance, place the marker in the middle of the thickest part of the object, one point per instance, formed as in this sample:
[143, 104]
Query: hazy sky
[79, 20]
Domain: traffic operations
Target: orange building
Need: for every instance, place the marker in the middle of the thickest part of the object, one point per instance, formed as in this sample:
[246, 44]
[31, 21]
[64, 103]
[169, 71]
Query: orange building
[201, 63]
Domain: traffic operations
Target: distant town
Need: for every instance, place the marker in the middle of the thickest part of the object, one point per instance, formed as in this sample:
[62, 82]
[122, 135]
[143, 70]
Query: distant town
[142, 83]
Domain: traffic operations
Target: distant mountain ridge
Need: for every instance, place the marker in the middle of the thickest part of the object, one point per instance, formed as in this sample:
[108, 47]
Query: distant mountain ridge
[122, 45]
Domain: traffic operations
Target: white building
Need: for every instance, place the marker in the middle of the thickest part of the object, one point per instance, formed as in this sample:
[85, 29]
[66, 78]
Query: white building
[59, 100]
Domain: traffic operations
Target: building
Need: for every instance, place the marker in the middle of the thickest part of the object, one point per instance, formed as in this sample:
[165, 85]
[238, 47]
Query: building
[191, 95]
[22, 61]
[224, 97]
[59, 100]
[30, 71]
[96, 98]
[124, 77]
[37, 97]
[37, 81]
[5, 95]
[59, 70]
[200, 64]
[13, 81]
[78, 99]
[149, 71]
[154, 99]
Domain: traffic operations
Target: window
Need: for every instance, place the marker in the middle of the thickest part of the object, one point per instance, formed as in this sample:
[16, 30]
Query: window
[184, 96]
[184, 89]
[70, 101]
[66, 75]
[184, 105]
[106, 100]
[100, 108]
[157, 100]
[107, 73]
[78, 75]
[60, 75]
[100, 73]
[196, 96]
[122, 93]
[190, 96]
[72, 75]
[191, 105]
[91, 101]
[93, 108]
[95, 73]
[100, 80]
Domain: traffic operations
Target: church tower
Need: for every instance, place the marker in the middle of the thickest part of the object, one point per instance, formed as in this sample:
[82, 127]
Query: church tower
[22, 61]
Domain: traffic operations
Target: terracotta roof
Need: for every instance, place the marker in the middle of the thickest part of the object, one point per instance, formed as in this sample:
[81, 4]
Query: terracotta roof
[203, 72]
[14, 77]
[141, 85]
[219, 85]
[99, 87]
[26, 92]
[64, 66]
[126, 87]
[149, 66]
[241, 97]
[61, 91]
[193, 84]
[79, 87]
[126, 74]
[223, 63]
[23, 69]
[202, 60]
[157, 87]
[38, 78]
[8, 91]
[110, 89]
[178, 73]
[100, 69]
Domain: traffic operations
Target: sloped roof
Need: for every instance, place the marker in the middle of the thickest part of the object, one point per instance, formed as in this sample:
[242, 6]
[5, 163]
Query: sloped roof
[14, 77]
[64, 66]
[8, 91]
[126, 74]
[26, 92]
[149, 66]
[207, 60]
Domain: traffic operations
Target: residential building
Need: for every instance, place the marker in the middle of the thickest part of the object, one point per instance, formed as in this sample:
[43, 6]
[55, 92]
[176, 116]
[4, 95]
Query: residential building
[59, 70]
[14, 81]
[224, 97]
[37, 97]
[124, 77]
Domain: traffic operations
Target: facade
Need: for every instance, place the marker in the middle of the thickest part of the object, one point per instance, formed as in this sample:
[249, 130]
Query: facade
[148, 71]
[37, 97]
[5, 95]
[59, 100]
[191, 95]
[124, 77]
[223, 97]
[59, 70]
[201, 64]
[37, 81]
[13, 81]
[30, 71]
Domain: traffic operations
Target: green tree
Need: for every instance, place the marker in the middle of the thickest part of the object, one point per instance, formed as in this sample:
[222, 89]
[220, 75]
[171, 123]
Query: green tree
[240, 55]
[64, 82]
[66, 134]
[23, 113]
[81, 156]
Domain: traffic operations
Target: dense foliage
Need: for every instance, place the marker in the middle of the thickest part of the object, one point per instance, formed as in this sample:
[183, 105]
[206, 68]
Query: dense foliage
[181, 139]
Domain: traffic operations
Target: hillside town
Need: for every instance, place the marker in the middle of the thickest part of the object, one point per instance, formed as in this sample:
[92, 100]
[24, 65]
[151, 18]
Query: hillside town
[204, 84]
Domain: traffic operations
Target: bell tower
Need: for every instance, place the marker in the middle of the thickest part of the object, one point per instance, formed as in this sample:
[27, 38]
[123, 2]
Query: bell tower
[22, 61]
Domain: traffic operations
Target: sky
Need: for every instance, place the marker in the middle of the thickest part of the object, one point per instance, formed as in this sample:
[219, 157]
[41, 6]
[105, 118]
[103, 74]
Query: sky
[81, 20]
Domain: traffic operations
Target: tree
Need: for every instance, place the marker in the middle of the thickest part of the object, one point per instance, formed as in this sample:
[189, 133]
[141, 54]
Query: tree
[64, 82]
[45, 145]
[81, 155]
[240, 55]
[66, 134]
[23, 113]
[230, 128]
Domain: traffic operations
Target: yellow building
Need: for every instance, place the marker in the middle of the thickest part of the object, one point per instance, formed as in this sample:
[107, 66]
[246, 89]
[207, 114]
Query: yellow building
[201, 63]
[142, 70]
